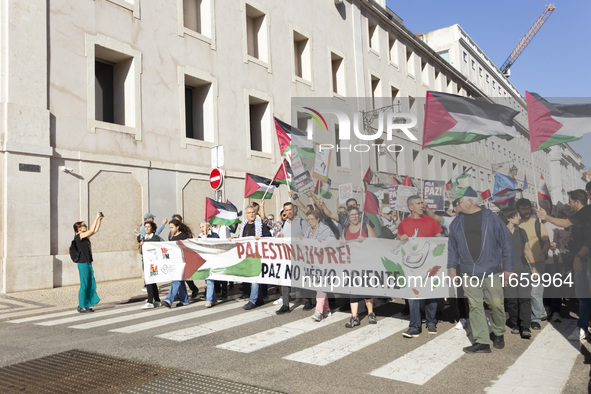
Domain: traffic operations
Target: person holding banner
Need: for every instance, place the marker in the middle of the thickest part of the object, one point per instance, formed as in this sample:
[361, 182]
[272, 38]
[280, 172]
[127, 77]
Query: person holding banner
[152, 288]
[321, 232]
[87, 295]
[252, 227]
[179, 231]
[419, 225]
[358, 230]
[293, 227]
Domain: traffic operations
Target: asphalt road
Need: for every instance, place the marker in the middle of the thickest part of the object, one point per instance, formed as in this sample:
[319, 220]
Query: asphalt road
[291, 353]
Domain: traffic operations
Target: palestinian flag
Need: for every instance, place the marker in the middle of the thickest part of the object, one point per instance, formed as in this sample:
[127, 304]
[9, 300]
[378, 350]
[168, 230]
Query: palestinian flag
[407, 182]
[284, 174]
[544, 194]
[293, 138]
[371, 208]
[395, 181]
[367, 177]
[220, 213]
[453, 182]
[552, 124]
[456, 120]
[485, 195]
[322, 189]
[256, 187]
[505, 202]
[506, 192]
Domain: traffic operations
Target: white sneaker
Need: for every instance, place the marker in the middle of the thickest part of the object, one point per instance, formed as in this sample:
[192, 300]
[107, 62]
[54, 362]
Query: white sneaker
[326, 314]
[277, 301]
[157, 304]
[461, 325]
[577, 335]
[145, 289]
[148, 305]
[556, 318]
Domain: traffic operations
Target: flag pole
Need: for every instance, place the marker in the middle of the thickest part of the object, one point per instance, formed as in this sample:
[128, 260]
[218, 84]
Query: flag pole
[268, 187]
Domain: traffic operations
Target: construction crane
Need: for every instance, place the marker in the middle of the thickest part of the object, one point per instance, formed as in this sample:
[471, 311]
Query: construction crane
[531, 33]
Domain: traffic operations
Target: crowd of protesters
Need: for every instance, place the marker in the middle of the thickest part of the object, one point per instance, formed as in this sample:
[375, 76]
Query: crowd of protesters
[513, 241]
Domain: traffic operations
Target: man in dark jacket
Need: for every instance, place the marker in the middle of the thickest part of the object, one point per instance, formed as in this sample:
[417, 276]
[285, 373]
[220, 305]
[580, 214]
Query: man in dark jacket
[475, 238]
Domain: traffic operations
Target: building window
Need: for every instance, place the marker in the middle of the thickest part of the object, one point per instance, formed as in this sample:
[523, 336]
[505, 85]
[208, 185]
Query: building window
[375, 89]
[337, 69]
[393, 49]
[198, 109]
[302, 62]
[116, 87]
[424, 72]
[394, 94]
[132, 5]
[480, 71]
[374, 40]
[444, 55]
[256, 34]
[259, 120]
[104, 92]
[465, 57]
[410, 62]
[197, 16]
[473, 65]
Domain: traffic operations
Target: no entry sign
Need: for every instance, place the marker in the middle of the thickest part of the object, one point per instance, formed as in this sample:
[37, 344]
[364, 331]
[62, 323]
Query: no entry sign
[215, 179]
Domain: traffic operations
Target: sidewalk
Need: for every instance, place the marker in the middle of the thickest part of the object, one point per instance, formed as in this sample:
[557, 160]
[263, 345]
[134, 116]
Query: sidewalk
[28, 303]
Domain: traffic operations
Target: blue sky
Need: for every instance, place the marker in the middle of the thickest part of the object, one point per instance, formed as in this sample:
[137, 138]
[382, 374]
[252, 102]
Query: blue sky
[555, 64]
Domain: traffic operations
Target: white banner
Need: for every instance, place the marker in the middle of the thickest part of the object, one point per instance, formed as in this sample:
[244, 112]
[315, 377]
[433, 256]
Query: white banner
[373, 267]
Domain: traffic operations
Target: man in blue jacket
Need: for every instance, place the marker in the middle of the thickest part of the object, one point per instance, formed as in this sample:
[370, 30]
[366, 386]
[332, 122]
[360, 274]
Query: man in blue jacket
[476, 238]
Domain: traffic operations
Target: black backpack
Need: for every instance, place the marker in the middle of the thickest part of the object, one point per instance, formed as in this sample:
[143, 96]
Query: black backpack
[74, 251]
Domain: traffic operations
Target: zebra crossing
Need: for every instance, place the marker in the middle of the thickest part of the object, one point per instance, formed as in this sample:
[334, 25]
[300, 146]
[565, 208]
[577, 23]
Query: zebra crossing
[549, 350]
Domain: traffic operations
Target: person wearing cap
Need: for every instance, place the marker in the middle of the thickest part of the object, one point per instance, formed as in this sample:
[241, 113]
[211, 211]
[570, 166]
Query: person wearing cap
[389, 220]
[150, 218]
[481, 244]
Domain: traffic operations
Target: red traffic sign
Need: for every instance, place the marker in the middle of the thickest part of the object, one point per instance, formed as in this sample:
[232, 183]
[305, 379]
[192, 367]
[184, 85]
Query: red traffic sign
[215, 179]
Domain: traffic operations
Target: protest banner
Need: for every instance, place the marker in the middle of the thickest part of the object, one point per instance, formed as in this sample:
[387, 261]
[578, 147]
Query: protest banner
[392, 193]
[345, 192]
[321, 163]
[434, 194]
[374, 267]
[403, 193]
[303, 182]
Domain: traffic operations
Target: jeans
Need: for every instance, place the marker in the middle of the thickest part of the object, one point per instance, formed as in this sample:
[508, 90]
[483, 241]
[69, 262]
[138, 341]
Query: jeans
[537, 297]
[177, 286]
[582, 292]
[210, 291]
[254, 292]
[414, 306]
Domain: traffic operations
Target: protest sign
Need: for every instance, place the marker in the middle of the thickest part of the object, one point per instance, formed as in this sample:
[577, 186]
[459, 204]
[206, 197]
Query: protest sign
[434, 194]
[345, 192]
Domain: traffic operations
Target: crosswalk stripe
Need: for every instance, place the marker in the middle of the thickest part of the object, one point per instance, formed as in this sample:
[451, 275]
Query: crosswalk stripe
[344, 345]
[141, 314]
[178, 318]
[276, 335]
[43, 317]
[424, 362]
[218, 325]
[87, 316]
[545, 365]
